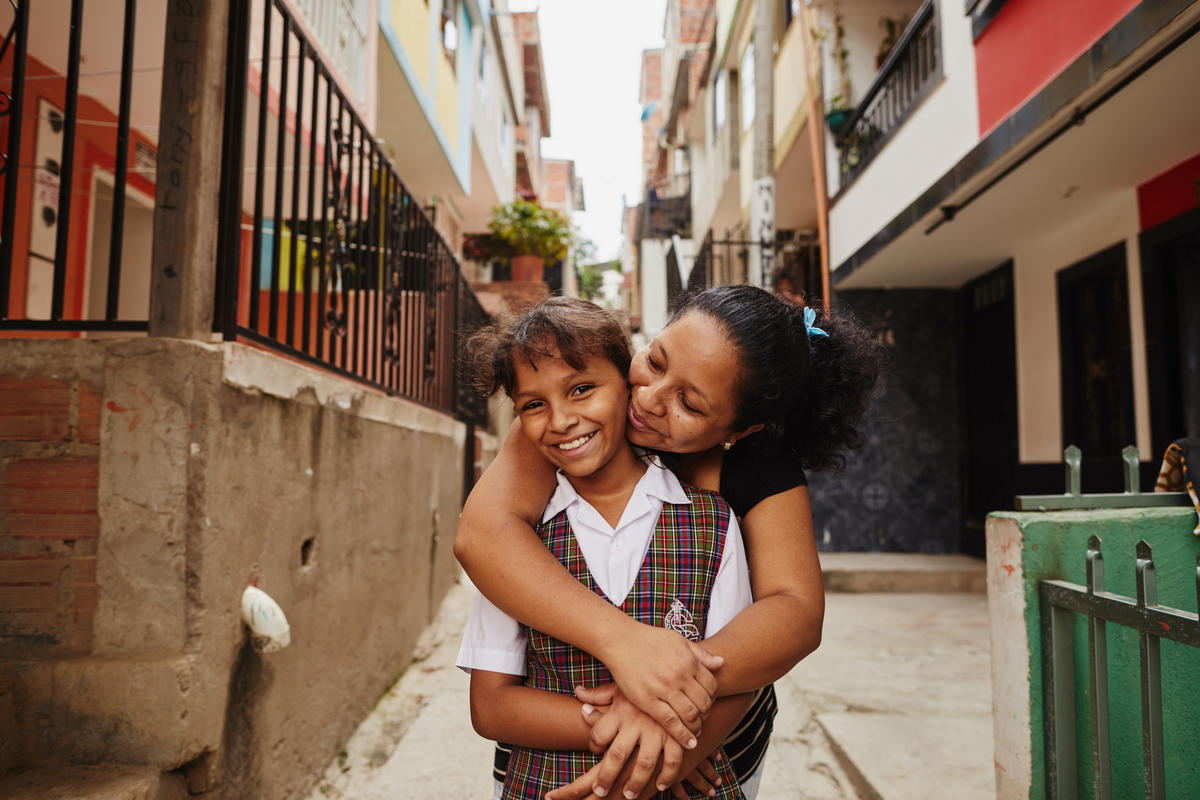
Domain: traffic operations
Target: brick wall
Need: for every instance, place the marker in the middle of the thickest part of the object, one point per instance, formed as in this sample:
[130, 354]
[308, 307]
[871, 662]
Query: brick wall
[49, 524]
[696, 21]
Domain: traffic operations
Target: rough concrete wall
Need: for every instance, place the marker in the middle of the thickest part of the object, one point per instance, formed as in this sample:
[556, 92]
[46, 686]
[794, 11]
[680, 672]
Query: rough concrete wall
[220, 466]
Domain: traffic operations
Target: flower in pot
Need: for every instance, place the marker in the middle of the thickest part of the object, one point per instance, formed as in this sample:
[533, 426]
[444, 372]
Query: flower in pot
[535, 234]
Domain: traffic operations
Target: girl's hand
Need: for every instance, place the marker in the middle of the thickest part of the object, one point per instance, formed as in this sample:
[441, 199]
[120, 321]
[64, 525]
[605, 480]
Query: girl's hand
[666, 676]
[620, 731]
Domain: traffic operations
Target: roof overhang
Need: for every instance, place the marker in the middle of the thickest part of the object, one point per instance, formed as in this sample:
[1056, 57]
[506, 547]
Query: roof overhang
[1132, 123]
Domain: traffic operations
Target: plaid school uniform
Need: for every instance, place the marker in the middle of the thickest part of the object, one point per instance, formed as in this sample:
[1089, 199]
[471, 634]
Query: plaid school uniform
[671, 590]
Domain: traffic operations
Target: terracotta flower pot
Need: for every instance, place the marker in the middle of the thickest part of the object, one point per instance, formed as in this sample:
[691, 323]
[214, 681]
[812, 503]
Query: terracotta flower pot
[528, 268]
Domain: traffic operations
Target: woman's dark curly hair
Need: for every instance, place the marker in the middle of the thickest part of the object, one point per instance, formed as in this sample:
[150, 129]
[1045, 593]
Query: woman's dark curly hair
[809, 392]
[565, 327]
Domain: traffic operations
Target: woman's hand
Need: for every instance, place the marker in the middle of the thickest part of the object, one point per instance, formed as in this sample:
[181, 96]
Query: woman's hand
[665, 675]
[620, 730]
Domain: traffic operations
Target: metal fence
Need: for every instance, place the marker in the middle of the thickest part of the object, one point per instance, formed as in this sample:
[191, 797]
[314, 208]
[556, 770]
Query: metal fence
[910, 72]
[323, 254]
[1060, 601]
[42, 304]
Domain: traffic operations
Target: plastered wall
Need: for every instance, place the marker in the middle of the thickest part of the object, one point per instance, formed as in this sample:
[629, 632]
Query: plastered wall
[215, 467]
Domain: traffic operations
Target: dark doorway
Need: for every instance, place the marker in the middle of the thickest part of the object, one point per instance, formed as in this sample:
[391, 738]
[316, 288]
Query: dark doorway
[989, 370]
[1097, 365]
[1171, 294]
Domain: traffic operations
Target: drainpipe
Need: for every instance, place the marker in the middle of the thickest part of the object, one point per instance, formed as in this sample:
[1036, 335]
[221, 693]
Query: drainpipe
[816, 139]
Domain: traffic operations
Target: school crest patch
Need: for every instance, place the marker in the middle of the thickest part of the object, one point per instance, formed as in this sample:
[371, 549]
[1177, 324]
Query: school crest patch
[679, 619]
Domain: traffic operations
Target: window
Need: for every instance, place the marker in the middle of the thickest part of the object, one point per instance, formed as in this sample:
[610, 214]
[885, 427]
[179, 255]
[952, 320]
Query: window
[718, 103]
[746, 87]
[484, 72]
[791, 10]
[450, 29]
[508, 154]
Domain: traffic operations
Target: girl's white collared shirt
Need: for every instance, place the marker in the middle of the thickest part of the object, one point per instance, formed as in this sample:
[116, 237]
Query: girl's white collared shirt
[494, 641]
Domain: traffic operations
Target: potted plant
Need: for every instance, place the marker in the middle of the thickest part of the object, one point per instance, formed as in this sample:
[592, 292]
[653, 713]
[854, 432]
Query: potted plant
[535, 234]
[839, 108]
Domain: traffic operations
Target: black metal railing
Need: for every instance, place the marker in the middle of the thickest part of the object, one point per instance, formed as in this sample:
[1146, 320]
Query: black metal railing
[324, 254]
[42, 280]
[668, 207]
[725, 261]
[1060, 602]
[910, 72]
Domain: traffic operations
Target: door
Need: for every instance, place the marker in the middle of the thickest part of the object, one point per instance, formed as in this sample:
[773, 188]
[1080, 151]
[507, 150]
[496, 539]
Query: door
[1171, 295]
[989, 369]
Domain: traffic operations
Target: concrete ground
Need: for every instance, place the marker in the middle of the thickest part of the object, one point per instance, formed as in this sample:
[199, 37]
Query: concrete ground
[896, 704]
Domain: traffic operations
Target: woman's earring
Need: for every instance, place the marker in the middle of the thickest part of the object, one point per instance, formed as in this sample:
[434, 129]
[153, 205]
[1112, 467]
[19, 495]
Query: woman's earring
[727, 444]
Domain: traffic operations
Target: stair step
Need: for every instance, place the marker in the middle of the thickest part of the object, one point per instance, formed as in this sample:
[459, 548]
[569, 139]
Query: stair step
[903, 572]
[93, 783]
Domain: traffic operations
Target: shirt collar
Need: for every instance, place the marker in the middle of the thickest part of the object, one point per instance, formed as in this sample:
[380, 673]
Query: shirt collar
[657, 481]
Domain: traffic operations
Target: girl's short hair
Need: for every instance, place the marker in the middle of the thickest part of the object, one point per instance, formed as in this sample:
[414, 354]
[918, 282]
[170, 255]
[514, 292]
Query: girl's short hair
[809, 392]
[558, 327]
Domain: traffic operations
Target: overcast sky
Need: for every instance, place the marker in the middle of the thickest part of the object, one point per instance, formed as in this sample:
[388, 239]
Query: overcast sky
[593, 56]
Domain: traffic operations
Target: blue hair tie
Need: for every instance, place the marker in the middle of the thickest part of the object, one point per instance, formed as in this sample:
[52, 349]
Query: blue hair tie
[810, 317]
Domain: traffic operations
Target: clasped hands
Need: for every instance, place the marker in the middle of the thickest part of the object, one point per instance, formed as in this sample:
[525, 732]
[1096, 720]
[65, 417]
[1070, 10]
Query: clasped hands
[678, 687]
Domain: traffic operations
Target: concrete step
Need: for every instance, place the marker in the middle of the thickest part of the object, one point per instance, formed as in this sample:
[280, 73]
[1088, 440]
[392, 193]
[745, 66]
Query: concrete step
[903, 572]
[914, 757]
[93, 783]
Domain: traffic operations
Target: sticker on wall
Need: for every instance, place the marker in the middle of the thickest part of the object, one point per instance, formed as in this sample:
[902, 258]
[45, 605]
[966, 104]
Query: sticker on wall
[145, 161]
[43, 222]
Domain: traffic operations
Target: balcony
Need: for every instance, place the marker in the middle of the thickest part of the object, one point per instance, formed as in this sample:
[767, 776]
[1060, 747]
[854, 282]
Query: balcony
[907, 75]
[322, 253]
[667, 208]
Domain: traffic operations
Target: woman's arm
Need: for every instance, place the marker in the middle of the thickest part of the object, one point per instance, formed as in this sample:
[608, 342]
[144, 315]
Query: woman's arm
[658, 670]
[504, 710]
[783, 625]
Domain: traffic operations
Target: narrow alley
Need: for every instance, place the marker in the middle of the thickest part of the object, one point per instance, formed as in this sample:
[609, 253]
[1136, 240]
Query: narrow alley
[901, 681]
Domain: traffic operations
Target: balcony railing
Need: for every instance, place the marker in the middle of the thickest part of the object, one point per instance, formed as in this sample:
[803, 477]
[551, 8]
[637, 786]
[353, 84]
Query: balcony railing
[910, 72]
[323, 253]
[668, 207]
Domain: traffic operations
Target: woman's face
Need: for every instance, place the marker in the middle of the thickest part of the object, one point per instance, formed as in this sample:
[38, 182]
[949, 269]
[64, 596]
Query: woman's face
[682, 387]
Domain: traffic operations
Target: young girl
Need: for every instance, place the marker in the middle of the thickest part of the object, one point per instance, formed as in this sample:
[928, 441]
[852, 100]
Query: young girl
[666, 555]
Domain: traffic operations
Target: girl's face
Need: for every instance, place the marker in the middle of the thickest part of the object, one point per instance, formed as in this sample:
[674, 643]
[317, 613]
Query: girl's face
[576, 418]
[683, 387]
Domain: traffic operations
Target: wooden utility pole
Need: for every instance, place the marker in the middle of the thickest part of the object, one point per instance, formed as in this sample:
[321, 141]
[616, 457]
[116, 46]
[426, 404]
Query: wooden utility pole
[762, 200]
[187, 186]
[816, 139]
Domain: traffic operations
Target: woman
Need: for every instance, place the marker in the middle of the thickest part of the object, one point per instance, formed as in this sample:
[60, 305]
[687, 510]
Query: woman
[747, 397]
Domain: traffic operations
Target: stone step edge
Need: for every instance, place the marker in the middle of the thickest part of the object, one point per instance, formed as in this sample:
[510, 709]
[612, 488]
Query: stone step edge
[101, 782]
[909, 573]
[859, 781]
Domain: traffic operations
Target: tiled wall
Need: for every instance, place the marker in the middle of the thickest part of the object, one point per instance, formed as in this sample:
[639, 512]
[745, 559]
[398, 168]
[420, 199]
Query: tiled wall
[901, 492]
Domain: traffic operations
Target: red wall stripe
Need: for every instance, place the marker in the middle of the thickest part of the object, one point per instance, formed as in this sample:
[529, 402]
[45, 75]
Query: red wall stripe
[1029, 43]
[1170, 194]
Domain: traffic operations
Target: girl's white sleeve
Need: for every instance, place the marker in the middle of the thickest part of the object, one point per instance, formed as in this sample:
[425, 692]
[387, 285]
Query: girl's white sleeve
[731, 587]
[492, 641]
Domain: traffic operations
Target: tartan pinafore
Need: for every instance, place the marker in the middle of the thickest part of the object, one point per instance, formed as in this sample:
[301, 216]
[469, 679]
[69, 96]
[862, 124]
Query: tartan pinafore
[671, 590]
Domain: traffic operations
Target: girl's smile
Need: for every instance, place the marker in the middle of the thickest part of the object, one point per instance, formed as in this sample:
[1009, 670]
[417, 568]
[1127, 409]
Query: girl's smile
[575, 417]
